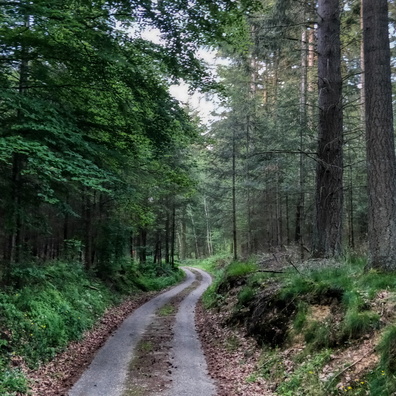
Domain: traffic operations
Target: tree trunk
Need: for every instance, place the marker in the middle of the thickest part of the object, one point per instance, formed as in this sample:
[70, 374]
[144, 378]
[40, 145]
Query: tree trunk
[183, 237]
[381, 162]
[234, 225]
[173, 236]
[303, 126]
[167, 226]
[142, 245]
[14, 244]
[329, 171]
[87, 232]
[196, 248]
[208, 230]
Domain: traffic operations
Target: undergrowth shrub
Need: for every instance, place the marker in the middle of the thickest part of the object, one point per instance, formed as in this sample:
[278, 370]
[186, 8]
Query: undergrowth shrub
[318, 335]
[305, 380]
[356, 324]
[149, 280]
[212, 298]
[300, 318]
[12, 381]
[246, 295]
[212, 264]
[237, 268]
[387, 350]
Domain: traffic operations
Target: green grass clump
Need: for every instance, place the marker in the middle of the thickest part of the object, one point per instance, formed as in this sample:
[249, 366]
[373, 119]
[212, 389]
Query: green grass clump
[246, 295]
[387, 350]
[166, 310]
[237, 268]
[211, 264]
[300, 319]
[211, 298]
[271, 365]
[379, 382]
[356, 324]
[304, 380]
[354, 299]
[373, 281]
[318, 335]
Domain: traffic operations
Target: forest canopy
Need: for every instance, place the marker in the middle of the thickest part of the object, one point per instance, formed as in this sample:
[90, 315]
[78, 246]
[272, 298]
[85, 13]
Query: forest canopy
[100, 163]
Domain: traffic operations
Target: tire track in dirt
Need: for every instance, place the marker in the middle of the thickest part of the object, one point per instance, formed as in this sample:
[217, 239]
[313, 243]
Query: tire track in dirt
[106, 374]
[150, 372]
[156, 351]
[191, 375]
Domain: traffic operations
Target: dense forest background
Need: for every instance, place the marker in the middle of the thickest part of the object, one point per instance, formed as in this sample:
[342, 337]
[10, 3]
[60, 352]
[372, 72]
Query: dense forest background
[100, 164]
[107, 182]
[96, 156]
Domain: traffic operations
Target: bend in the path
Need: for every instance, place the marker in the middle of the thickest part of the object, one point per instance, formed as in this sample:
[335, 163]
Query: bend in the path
[107, 372]
[190, 376]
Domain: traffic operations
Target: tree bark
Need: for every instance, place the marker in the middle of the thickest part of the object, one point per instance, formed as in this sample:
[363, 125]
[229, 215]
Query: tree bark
[303, 127]
[234, 220]
[142, 245]
[329, 172]
[88, 248]
[208, 230]
[173, 236]
[167, 239]
[381, 162]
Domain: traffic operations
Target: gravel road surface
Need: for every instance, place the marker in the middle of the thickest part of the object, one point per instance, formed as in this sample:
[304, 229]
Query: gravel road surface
[107, 373]
[190, 378]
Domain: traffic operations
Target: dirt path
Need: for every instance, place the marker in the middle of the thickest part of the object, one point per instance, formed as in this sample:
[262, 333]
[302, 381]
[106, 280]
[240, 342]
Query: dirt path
[136, 360]
[190, 375]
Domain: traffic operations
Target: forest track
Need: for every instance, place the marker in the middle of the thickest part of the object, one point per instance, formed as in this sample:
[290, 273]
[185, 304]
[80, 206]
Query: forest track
[164, 348]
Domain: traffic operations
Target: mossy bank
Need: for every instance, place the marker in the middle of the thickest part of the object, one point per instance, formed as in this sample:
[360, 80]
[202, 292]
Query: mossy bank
[324, 327]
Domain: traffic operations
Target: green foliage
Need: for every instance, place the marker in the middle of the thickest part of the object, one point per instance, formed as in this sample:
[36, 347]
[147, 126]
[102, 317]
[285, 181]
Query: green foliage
[216, 265]
[372, 281]
[387, 350]
[301, 316]
[379, 382]
[212, 298]
[12, 381]
[246, 295]
[352, 299]
[356, 324]
[212, 264]
[305, 381]
[53, 304]
[271, 365]
[150, 280]
[166, 310]
[238, 268]
[318, 335]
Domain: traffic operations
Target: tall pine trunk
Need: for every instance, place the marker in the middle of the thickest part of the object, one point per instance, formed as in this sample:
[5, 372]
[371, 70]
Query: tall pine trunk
[234, 214]
[15, 238]
[381, 162]
[329, 171]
